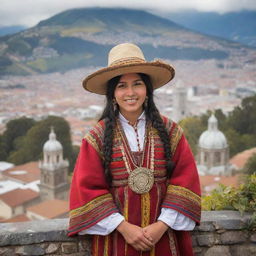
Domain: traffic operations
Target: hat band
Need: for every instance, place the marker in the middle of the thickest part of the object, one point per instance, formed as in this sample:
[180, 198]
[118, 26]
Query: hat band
[125, 61]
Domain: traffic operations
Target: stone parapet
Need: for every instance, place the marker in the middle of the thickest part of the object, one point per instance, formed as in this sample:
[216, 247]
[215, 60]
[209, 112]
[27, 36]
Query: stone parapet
[222, 233]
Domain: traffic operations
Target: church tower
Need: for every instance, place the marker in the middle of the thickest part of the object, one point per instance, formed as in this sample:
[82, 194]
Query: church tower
[179, 101]
[54, 170]
[213, 151]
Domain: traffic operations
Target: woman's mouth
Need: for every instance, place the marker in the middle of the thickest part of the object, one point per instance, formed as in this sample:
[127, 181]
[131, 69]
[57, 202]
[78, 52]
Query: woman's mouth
[131, 100]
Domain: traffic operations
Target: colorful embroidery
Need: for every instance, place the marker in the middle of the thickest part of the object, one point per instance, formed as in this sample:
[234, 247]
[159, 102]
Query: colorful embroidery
[172, 242]
[95, 137]
[184, 201]
[145, 210]
[89, 214]
[106, 245]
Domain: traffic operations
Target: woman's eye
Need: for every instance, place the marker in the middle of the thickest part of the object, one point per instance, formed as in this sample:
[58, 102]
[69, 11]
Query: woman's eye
[120, 86]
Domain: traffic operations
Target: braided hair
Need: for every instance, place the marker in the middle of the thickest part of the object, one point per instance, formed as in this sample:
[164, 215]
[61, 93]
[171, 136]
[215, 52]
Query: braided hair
[152, 115]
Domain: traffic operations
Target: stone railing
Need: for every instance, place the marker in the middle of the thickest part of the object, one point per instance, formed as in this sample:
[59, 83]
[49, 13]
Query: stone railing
[220, 233]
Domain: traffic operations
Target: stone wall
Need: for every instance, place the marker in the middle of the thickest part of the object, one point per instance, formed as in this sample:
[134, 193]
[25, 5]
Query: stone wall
[220, 233]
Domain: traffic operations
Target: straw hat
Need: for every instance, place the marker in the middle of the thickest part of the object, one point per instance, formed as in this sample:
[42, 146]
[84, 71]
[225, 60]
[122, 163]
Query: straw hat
[128, 58]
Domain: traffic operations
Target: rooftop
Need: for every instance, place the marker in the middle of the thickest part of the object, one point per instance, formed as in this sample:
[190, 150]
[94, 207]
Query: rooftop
[240, 159]
[24, 173]
[50, 209]
[18, 196]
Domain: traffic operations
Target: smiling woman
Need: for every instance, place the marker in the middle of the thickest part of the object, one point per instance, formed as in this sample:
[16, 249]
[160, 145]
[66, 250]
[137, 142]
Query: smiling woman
[130, 94]
[135, 186]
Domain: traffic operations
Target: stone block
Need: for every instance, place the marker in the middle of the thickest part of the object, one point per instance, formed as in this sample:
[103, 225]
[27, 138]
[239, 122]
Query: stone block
[51, 248]
[218, 250]
[69, 248]
[233, 237]
[6, 252]
[253, 237]
[245, 250]
[206, 226]
[207, 240]
[85, 245]
[34, 250]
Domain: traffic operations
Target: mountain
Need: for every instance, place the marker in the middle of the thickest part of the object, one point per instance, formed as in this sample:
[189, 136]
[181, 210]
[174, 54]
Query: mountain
[235, 26]
[10, 30]
[82, 37]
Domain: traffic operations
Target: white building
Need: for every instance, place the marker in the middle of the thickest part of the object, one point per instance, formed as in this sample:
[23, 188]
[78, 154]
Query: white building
[213, 151]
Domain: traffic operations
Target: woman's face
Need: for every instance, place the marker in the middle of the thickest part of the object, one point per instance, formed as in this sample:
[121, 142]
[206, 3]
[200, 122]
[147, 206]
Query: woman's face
[130, 94]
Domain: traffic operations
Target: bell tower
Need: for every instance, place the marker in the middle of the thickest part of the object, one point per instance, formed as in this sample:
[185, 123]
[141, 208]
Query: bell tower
[54, 170]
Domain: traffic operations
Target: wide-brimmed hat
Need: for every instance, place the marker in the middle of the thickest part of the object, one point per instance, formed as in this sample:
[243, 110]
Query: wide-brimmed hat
[128, 58]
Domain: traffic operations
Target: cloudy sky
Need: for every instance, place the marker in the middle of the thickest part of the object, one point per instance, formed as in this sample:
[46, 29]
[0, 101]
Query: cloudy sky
[30, 12]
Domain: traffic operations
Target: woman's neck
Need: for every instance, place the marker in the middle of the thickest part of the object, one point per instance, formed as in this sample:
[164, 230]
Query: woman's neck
[131, 117]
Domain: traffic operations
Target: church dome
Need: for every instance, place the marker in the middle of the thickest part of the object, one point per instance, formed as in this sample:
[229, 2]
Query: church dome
[52, 145]
[213, 138]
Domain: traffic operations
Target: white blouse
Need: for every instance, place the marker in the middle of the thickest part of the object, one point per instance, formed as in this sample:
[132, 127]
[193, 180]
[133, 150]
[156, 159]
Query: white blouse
[172, 218]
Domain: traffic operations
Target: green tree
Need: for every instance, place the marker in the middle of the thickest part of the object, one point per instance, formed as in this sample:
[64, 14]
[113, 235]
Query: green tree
[250, 166]
[243, 118]
[14, 129]
[30, 147]
[3, 153]
[193, 128]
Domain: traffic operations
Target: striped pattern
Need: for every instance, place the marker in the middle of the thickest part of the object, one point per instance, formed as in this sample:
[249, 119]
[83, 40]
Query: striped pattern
[91, 213]
[184, 201]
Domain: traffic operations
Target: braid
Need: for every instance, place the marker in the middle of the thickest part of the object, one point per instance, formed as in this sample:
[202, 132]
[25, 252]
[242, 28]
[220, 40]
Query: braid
[109, 115]
[108, 147]
[153, 115]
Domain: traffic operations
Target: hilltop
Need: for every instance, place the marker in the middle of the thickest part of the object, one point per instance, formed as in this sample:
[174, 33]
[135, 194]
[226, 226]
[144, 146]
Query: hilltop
[82, 37]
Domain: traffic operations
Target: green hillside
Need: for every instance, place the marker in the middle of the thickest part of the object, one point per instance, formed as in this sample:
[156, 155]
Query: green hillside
[82, 37]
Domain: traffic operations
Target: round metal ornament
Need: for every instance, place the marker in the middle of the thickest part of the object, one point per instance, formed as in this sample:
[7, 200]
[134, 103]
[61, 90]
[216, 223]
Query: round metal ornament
[141, 180]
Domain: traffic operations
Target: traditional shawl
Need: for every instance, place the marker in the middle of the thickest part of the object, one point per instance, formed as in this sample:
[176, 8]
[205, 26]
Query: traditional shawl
[92, 199]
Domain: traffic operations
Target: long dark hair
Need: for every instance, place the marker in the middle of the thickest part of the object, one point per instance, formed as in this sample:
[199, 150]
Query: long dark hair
[152, 115]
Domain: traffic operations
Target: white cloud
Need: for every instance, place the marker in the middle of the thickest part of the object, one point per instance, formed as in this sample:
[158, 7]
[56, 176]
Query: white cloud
[30, 12]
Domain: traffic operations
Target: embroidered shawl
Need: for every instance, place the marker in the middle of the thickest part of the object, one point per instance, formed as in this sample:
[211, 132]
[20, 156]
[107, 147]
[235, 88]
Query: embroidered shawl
[92, 199]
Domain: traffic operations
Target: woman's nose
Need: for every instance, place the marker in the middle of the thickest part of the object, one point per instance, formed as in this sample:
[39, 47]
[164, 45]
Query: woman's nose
[130, 90]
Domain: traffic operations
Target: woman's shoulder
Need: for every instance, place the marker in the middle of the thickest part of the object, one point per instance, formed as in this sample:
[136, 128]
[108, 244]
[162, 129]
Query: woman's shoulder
[170, 125]
[96, 132]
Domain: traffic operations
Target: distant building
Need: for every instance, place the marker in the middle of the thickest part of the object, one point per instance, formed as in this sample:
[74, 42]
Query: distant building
[213, 151]
[36, 193]
[180, 102]
[54, 171]
[59, 209]
[15, 202]
[239, 160]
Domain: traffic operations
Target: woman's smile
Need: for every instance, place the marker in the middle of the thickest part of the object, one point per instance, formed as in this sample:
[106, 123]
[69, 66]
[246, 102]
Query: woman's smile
[130, 94]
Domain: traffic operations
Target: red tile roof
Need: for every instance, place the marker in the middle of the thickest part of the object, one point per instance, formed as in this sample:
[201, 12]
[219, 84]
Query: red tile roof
[240, 159]
[18, 196]
[210, 182]
[24, 173]
[50, 209]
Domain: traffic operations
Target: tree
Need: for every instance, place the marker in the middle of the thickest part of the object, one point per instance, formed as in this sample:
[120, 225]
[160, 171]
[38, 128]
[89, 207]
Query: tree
[14, 129]
[250, 166]
[193, 128]
[3, 154]
[30, 147]
[243, 118]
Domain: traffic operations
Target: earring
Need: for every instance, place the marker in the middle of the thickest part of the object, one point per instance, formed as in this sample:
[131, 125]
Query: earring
[146, 102]
[114, 105]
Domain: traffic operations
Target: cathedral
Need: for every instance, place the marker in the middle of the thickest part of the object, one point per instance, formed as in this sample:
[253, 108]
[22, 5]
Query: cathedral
[54, 171]
[36, 191]
[213, 151]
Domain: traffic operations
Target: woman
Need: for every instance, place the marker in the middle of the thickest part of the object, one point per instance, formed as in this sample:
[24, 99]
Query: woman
[135, 186]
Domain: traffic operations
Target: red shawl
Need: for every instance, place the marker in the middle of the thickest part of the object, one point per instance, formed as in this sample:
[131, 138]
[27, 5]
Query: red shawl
[92, 199]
